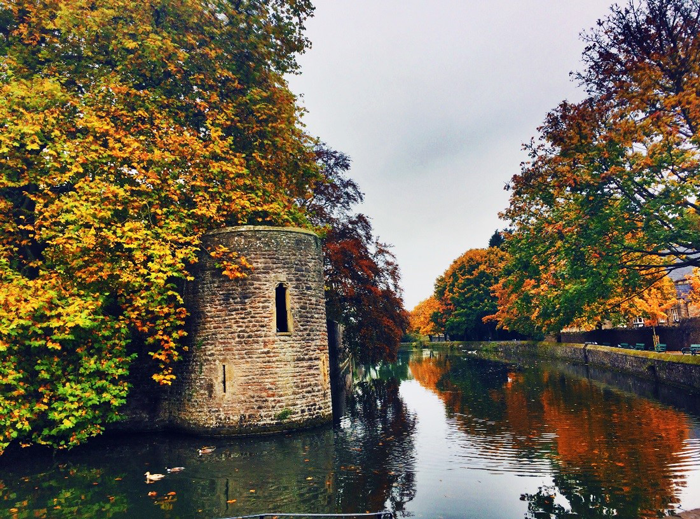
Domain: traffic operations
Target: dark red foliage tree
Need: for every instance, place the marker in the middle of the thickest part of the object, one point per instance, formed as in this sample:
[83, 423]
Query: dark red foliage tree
[362, 276]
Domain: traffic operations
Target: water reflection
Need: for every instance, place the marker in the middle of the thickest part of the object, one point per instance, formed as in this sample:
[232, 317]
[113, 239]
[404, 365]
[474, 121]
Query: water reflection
[364, 464]
[609, 453]
[376, 453]
[437, 434]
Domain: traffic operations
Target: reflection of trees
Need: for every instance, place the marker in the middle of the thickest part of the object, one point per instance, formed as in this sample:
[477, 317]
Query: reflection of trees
[90, 494]
[611, 454]
[384, 371]
[375, 451]
[293, 473]
[365, 464]
[541, 505]
[635, 474]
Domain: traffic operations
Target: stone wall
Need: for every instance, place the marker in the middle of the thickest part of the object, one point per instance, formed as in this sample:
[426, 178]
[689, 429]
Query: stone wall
[245, 372]
[670, 369]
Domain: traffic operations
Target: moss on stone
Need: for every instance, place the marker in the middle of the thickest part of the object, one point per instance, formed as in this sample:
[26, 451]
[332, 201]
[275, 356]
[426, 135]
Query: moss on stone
[283, 414]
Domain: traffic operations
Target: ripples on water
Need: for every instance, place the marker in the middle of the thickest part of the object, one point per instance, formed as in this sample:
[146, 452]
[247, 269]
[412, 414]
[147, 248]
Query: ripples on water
[437, 434]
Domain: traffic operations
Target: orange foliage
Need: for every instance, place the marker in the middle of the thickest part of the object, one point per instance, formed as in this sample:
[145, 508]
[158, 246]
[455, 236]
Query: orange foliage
[429, 371]
[653, 303]
[610, 189]
[464, 292]
[421, 317]
[580, 425]
[129, 129]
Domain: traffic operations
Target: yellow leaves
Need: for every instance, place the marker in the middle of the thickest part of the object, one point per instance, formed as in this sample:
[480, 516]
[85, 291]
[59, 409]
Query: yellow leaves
[231, 270]
[33, 143]
[652, 303]
[245, 263]
[227, 264]
[53, 345]
[421, 317]
[130, 44]
[164, 378]
[122, 170]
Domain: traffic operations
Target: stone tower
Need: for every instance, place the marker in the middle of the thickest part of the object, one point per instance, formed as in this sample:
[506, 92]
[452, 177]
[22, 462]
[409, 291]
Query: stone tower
[258, 360]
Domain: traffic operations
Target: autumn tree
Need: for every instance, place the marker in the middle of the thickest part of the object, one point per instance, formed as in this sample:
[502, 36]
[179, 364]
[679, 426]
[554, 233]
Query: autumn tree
[464, 294]
[421, 317]
[129, 129]
[694, 283]
[363, 289]
[653, 304]
[607, 203]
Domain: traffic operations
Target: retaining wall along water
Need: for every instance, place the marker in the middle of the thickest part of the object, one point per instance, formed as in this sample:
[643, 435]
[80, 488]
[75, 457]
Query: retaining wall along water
[682, 370]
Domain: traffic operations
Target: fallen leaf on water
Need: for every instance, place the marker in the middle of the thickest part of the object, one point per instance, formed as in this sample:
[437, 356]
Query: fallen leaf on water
[309, 478]
[232, 500]
[252, 491]
[172, 493]
[117, 479]
[151, 494]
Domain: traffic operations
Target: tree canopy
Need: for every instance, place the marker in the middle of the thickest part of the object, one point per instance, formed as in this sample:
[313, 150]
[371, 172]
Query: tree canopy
[128, 130]
[464, 295]
[607, 203]
[421, 317]
[362, 277]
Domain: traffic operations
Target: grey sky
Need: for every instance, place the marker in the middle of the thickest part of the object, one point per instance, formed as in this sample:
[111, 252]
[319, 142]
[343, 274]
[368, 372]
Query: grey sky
[432, 100]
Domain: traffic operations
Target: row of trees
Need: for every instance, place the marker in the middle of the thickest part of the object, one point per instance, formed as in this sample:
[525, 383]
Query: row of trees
[463, 297]
[607, 204]
[128, 130]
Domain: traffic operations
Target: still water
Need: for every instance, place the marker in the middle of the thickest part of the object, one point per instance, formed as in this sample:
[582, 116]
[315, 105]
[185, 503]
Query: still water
[439, 434]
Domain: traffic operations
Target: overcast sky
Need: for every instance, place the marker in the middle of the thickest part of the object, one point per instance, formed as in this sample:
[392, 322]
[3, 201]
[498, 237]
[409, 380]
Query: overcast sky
[433, 100]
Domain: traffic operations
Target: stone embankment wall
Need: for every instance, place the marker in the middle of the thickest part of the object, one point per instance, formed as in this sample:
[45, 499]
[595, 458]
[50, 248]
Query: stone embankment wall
[666, 368]
[258, 359]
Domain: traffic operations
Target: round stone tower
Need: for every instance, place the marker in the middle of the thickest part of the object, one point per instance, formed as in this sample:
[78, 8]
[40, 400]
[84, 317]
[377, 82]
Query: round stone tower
[258, 359]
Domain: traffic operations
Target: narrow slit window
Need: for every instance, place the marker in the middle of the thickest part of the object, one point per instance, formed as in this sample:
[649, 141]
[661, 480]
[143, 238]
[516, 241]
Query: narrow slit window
[223, 377]
[282, 309]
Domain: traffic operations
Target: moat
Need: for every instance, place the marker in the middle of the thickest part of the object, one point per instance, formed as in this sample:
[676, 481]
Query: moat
[440, 433]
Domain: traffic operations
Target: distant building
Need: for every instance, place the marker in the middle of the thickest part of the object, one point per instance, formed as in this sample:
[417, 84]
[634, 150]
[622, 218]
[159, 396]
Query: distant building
[684, 309]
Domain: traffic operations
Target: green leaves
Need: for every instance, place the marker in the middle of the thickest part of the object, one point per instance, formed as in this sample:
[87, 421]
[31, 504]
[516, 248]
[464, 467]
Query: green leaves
[128, 131]
[464, 293]
[608, 202]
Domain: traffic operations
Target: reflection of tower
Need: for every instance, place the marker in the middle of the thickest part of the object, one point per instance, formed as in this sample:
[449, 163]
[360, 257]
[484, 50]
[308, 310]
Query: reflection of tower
[259, 350]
